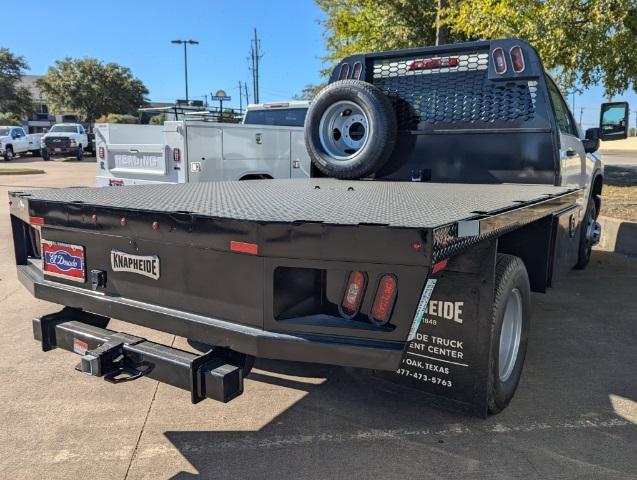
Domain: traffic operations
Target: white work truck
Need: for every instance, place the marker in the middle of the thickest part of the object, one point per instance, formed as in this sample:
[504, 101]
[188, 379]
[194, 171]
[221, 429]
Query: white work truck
[269, 144]
[65, 138]
[14, 140]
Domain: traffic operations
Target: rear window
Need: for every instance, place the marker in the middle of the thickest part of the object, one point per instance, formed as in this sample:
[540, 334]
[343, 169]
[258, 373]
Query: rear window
[64, 128]
[4, 131]
[285, 117]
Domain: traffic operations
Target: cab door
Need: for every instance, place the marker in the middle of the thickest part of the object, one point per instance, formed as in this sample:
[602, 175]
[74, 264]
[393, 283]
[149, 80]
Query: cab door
[571, 149]
[20, 141]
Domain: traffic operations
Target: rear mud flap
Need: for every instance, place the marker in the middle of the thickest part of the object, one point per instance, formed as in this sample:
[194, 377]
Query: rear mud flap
[449, 355]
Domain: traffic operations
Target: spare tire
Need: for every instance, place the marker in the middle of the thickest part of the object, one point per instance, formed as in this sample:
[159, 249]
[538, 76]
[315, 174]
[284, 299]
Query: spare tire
[350, 129]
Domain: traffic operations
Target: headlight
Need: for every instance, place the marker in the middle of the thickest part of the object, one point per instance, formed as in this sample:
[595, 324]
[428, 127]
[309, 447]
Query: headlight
[73, 142]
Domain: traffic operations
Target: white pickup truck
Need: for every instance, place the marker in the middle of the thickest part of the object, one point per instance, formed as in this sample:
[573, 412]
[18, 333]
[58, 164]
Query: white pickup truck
[14, 140]
[64, 138]
[268, 144]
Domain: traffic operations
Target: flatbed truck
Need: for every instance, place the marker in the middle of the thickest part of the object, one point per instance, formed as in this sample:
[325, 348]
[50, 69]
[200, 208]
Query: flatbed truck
[447, 184]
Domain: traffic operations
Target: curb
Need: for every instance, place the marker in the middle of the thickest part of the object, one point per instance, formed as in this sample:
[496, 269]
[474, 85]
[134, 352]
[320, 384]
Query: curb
[619, 236]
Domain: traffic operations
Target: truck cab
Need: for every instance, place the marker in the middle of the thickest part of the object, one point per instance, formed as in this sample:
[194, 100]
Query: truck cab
[14, 140]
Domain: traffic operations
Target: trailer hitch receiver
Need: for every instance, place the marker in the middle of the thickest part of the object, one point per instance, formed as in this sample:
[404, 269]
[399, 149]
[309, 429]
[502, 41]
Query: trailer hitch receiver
[120, 357]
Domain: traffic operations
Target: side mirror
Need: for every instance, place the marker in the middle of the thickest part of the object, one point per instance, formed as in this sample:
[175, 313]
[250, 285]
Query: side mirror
[613, 121]
[591, 140]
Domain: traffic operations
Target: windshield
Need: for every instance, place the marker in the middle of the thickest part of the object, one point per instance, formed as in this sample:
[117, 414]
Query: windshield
[64, 128]
[4, 131]
[285, 117]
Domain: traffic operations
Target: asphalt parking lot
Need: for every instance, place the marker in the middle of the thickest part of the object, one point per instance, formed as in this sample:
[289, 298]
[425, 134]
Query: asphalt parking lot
[574, 416]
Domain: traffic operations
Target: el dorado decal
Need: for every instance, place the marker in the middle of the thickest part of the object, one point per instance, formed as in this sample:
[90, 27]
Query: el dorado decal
[146, 265]
[63, 260]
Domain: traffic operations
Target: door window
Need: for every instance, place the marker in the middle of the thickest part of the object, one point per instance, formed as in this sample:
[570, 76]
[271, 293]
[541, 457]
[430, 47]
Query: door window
[562, 115]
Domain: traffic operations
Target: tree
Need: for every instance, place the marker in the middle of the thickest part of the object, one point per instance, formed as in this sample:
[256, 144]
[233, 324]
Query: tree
[92, 88]
[585, 42]
[358, 26]
[14, 98]
[309, 92]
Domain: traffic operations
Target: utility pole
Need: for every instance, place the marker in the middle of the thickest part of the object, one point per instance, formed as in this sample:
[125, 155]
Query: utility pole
[255, 56]
[442, 31]
[185, 43]
[240, 96]
[581, 113]
[245, 85]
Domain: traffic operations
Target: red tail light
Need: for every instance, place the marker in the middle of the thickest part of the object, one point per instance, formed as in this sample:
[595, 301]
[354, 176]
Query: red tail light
[429, 63]
[385, 299]
[353, 295]
[100, 152]
[358, 68]
[517, 59]
[36, 221]
[176, 154]
[499, 61]
[344, 71]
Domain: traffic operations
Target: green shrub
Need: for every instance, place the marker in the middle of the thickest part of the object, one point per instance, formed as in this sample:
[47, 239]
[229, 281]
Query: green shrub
[117, 118]
[7, 118]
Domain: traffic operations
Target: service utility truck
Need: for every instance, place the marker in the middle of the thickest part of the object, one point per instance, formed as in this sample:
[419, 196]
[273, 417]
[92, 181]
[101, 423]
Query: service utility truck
[14, 140]
[268, 144]
[448, 183]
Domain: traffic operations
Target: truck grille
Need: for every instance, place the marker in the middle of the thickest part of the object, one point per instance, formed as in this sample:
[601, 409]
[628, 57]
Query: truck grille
[57, 142]
[454, 95]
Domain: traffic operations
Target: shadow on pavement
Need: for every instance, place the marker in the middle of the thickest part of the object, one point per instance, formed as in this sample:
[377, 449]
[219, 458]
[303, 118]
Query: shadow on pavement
[573, 415]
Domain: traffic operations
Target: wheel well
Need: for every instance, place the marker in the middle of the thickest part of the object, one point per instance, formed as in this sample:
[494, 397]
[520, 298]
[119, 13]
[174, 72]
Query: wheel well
[8, 145]
[257, 176]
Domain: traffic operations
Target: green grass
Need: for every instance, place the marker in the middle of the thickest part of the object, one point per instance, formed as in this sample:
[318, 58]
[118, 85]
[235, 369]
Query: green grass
[20, 171]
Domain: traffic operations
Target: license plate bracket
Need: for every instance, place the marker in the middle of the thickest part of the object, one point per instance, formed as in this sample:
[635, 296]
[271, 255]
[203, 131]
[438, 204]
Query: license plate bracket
[64, 260]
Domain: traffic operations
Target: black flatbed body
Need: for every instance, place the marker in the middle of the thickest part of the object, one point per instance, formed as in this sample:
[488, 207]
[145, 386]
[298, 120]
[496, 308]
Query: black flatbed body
[445, 215]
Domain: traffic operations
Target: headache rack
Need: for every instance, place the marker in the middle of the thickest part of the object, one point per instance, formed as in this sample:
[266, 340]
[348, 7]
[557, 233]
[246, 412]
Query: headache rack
[454, 86]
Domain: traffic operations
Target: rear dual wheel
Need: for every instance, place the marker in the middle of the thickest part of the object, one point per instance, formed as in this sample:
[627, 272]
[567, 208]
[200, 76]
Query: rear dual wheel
[510, 322]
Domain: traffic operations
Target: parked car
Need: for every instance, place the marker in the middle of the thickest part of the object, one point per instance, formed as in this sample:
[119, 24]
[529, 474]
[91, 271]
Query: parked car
[65, 138]
[14, 140]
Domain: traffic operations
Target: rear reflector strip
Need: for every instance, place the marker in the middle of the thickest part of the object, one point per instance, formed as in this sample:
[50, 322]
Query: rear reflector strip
[36, 221]
[243, 247]
[441, 265]
[353, 295]
[385, 298]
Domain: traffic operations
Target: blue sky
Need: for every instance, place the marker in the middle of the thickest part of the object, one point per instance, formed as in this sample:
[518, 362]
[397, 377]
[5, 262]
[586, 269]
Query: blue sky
[137, 34]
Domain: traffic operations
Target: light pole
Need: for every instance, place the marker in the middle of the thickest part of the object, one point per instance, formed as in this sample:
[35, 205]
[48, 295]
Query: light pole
[185, 43]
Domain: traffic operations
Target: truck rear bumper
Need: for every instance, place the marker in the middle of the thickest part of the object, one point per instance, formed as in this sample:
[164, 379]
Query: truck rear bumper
[326, 349]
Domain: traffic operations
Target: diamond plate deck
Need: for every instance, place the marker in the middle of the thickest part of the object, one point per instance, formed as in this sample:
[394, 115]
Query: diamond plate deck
[329, 201]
